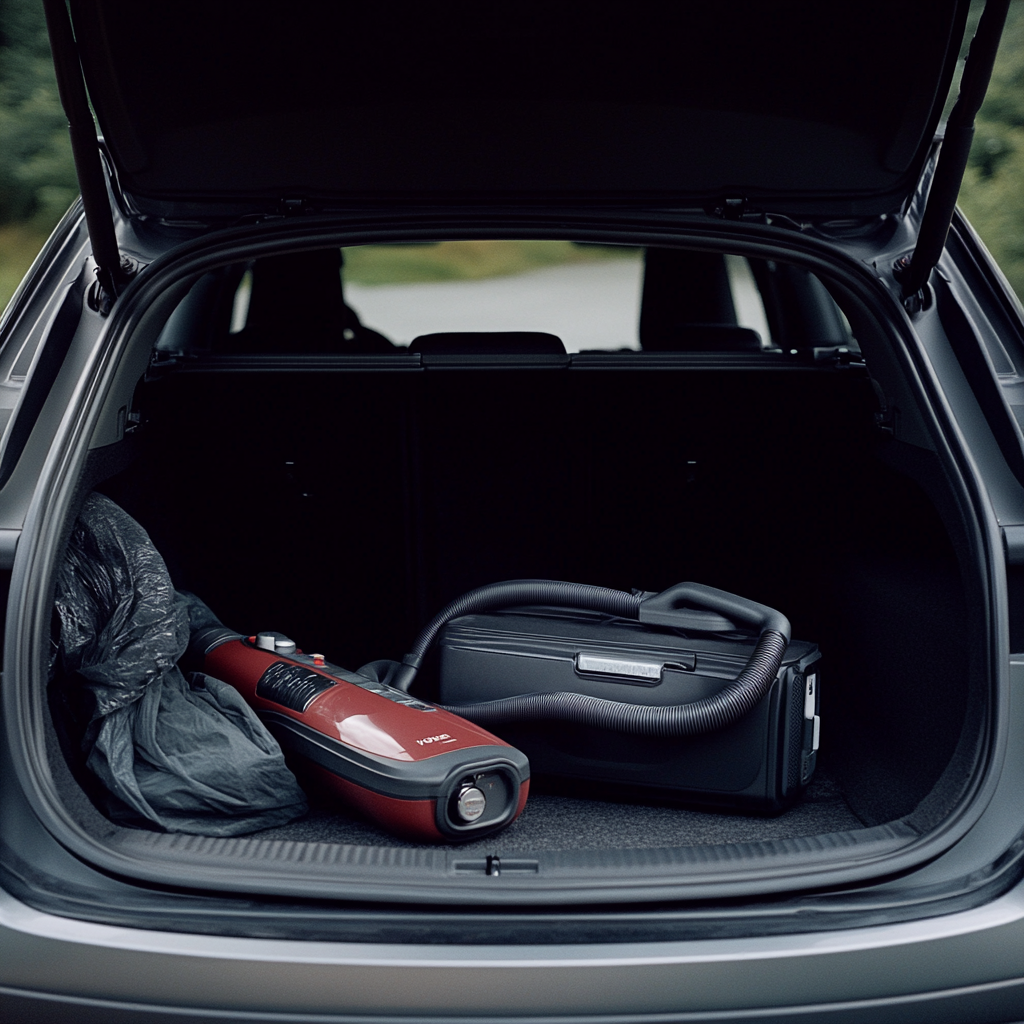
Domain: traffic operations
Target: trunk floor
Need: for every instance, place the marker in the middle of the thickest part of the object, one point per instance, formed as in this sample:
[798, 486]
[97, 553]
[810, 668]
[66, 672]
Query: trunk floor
[554, 822]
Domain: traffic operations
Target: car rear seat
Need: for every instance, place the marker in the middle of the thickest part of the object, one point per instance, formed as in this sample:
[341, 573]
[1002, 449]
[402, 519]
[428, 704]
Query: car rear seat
[351, 504]
[687, 305]
[798, 307]
[297, 305]
[424, 481]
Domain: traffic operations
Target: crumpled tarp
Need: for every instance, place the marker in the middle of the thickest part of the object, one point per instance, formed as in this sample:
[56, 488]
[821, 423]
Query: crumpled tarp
[177, 754]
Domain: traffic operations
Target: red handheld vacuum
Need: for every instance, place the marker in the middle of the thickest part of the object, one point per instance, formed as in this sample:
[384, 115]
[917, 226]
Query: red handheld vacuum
[416, 769]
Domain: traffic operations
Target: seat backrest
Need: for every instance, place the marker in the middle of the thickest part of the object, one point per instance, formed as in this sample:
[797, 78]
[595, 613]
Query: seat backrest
[801, 312]
[297, 305]
[687, 305]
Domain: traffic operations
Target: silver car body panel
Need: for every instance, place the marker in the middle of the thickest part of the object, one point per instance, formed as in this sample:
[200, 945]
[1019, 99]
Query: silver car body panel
[74, 959]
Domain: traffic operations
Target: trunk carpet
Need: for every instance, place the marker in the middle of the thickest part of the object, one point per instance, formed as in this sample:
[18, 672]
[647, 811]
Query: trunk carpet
[554, 822]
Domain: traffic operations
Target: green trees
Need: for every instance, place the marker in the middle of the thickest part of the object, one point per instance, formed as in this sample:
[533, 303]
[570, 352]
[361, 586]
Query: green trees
[992, 195]
[37, 176]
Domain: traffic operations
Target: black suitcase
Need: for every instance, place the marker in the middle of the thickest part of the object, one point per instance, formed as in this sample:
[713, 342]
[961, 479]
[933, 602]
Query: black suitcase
[758, 762]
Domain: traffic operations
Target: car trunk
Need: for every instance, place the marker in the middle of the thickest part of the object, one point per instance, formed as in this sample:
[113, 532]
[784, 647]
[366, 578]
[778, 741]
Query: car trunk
[344, 499]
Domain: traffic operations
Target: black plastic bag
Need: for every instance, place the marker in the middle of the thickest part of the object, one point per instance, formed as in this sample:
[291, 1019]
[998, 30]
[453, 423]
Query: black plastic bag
[182, 755]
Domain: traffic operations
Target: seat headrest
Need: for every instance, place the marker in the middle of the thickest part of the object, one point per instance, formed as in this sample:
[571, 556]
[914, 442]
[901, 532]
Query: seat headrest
[687, 305]
[462, 343]
[297, 302]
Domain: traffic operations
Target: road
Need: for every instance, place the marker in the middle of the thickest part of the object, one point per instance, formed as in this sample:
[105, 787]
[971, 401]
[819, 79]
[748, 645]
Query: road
[588, 305]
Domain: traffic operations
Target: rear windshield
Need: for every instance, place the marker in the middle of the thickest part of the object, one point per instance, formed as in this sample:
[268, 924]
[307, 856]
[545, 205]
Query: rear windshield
[509, 296]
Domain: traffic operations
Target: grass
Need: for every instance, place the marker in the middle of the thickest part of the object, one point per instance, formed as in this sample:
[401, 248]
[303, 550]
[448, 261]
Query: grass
[19, 244]
[994, 204]
[467, 260]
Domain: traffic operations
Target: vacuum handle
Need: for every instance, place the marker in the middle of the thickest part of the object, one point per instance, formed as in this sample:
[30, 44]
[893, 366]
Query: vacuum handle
[202, 641]
[669, 608]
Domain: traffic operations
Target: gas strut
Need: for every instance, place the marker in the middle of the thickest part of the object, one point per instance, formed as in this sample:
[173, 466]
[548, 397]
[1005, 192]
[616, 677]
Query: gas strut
[956, 148]
[86, 152]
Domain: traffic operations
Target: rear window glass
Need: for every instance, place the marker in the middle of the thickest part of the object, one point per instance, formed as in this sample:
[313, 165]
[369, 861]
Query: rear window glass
[585, 297]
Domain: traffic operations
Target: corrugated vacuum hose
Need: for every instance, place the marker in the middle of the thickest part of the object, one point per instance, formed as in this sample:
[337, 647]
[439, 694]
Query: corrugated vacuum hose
[684, 606]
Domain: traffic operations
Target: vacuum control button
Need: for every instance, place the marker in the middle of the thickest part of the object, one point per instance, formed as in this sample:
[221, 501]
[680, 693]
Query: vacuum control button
[278, 643]
[471, 803]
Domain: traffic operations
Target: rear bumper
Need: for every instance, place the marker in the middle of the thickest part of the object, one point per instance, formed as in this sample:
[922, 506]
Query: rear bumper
[965, 966]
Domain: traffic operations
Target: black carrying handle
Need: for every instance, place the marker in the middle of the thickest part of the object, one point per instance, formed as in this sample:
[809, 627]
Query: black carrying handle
[669, 608]
[672, 607]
